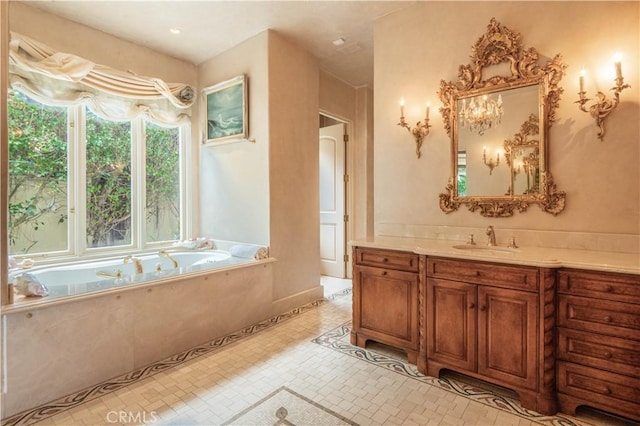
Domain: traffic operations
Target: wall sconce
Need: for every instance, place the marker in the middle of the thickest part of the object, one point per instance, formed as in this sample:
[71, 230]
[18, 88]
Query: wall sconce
[603, 106]
[420, 131]
[490, 164]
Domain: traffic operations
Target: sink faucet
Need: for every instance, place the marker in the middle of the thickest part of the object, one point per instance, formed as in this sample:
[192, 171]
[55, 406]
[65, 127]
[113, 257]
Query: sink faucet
[491, 240]
[166, 254]
[136, 261]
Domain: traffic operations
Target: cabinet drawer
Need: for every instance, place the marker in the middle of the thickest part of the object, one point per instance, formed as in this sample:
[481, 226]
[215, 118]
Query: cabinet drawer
[613, 318]
[625, 288]
[602, 352]
[600, 387]
[387, 259]
[517, 277]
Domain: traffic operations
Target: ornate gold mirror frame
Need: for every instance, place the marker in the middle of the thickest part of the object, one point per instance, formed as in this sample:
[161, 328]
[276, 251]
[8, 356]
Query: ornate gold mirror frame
[499, 46]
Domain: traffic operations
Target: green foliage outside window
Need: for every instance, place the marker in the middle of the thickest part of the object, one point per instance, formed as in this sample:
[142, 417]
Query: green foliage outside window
[37, 168]
[38, 178]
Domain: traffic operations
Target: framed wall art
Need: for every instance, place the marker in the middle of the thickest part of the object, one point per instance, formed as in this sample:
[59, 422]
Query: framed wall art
[226, 111]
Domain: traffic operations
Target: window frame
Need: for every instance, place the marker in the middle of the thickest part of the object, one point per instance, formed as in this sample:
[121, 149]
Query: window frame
[76, 191]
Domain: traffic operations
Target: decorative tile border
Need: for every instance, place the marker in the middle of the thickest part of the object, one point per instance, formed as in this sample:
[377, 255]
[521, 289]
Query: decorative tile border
[57, 406]
[338, 339]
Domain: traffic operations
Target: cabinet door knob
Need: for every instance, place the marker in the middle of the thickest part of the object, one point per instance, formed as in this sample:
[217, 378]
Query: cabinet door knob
[607, 354]
[606, 391]
[483, 307]
[384, 272]
[607, 318]
[472, 305]
[384, 259]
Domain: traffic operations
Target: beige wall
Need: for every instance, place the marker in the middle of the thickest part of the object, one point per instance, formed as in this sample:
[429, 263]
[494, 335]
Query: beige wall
[417, 47]
[234, 178]
[293, 168]
[269, 189]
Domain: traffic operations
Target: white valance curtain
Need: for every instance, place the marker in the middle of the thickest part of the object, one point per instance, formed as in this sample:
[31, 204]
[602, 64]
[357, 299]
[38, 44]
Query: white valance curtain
[64, 79]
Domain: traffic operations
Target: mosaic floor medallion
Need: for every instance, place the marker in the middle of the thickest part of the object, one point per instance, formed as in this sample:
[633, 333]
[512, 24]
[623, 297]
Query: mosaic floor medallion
[286, 407]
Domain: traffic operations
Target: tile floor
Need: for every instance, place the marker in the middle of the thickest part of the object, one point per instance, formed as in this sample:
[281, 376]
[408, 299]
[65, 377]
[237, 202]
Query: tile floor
[214, 385]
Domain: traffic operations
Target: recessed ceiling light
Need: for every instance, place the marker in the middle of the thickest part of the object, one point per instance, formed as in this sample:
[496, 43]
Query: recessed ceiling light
[338, 42]
[175, 30]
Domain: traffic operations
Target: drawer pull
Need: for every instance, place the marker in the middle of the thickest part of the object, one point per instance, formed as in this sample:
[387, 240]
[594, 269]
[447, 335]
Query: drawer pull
[606, 391]
[608, 288]
[384, 259]
[483, 308]
[384, 272]
[472, 305]
[477, 273]
[607, 319]
[607, 354]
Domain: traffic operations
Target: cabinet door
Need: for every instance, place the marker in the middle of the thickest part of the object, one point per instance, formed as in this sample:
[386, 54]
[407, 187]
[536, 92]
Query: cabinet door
[507, 324]
[385, 306]
[451, 323]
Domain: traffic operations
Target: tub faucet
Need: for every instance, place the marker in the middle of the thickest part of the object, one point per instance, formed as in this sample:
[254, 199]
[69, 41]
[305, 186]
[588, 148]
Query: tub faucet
[136, 261]
[491, 236]
[105, 274]
[166, 254]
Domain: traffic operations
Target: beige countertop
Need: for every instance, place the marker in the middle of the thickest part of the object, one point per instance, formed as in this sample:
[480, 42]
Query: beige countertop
[546, 257]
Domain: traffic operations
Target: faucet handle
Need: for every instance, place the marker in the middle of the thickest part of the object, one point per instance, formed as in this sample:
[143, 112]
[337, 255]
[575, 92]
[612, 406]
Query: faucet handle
[470, 241]
[512, 243]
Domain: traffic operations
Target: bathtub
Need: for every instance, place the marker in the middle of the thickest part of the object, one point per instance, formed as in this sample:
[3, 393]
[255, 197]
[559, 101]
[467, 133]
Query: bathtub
[87, 277]
[91, 329]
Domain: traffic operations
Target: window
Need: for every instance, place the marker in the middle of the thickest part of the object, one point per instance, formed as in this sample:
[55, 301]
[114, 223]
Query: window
[80, 183]
[37, 176]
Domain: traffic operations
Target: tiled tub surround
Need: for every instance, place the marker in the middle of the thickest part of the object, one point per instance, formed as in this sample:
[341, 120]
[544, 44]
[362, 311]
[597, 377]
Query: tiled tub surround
[57, 347]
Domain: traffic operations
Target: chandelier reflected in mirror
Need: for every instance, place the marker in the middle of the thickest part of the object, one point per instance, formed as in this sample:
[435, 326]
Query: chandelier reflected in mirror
[481, 114]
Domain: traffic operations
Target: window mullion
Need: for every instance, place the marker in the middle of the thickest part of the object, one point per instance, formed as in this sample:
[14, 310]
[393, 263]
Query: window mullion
[138, 187]
[78, 181]
[186, 183]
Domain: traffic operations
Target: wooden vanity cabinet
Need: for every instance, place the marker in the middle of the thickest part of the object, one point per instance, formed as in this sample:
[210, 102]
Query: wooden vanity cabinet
[599, 342]
[386, 285]
[493, 322]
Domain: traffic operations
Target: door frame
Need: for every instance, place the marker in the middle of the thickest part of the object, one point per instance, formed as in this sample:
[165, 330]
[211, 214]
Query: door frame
[349, 168]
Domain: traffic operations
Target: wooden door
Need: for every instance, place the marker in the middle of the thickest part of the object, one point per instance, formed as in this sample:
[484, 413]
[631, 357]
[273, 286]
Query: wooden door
[332, 201]
[451, 323]
[507, 325]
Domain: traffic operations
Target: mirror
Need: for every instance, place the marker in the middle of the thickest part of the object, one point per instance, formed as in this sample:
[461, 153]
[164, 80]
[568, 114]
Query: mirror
[498, 114]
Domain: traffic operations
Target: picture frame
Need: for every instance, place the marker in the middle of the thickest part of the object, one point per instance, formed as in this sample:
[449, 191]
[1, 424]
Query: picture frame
[226, 111]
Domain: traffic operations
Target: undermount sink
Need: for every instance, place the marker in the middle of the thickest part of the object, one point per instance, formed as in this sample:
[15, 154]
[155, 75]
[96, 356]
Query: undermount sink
[484, 249]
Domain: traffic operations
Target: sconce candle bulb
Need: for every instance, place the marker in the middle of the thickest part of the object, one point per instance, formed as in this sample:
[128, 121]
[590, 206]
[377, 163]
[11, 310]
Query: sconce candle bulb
[603, 106]
[490, 163]
[420, 131]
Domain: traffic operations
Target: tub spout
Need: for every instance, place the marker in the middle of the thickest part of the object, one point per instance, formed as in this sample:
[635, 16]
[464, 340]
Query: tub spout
[166, 254]
[136, 261]
[105, 274]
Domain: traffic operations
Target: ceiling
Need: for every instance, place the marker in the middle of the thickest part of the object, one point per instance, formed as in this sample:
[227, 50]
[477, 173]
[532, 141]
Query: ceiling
[210, 27]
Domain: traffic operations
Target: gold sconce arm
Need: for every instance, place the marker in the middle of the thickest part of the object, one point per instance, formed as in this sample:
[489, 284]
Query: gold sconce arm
[603, 105]
[490, 164]
[419, 132]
